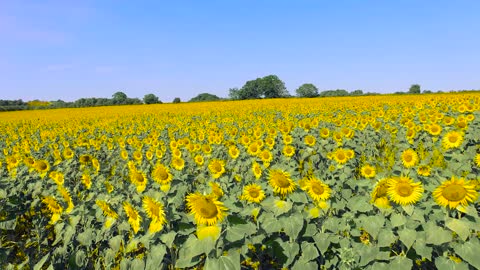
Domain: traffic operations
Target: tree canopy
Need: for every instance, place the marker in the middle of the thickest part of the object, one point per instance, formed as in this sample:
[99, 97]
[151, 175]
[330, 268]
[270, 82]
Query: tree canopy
[266, 87]
[414, 89]
[151, 99]
[204, 97]
[307, 90]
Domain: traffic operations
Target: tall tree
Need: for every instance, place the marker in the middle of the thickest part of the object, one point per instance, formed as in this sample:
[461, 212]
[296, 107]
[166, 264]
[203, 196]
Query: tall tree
[204, 97]
[272, 87]
[119, 98]
[414, 89]
[307, 90]
[151, 99]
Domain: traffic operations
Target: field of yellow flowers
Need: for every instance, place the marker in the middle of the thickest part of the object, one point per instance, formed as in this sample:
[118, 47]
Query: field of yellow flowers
[381, 182]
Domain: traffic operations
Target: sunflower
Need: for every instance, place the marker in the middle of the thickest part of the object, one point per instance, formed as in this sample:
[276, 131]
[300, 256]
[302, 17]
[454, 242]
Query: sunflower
[477, 160]
[86, 180]
[309, 140]
[367, 171]
[287, 139]
[253, 193]
[288, 151]
[68, 153]
[133, 217]
[270, 142]
[42, 167]
[233, 152]
[266, 156]
[161, 174]
[340, 156]
[124, 154]
[337, 136]
[207, 149]
[281, 182]
[57, 177]
[452, 139]
[253, 149]
[67, 198]
[435, 129]
[155, 212]
[257, 170]
[208, 231]
[402, 190]
[216, 190]
[424, 170]
[317, 190]
[85, 159]
[324, 133]
[178, 163]
[350, 153]
[207, 210]
[96, 165]
[455, 192]
[379, 194]
[199, 160]
[149, 155]
[409, 158]
[139, 179]
[54, 207]
[217, 168]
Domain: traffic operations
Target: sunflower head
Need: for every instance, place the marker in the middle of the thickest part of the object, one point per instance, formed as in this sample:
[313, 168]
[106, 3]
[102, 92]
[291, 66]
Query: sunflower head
[233, 152]
[253, 193]
[409, 158]
[217, 168]
[257, 170]
[85, 159]
[454, 192]
[309, 140]
[288, 150]
[340, 156]
[155, 212]
[161, 174]
[138, 179]
[207, 210]
[178, 163]
[317, 190]
[452, 139]
[367, 171]
[133, 217]
[281, 182]
[402, 190]
[424, 170]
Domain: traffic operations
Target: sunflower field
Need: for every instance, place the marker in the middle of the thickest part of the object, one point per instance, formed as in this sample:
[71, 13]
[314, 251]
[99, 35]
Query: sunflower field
[380, 182]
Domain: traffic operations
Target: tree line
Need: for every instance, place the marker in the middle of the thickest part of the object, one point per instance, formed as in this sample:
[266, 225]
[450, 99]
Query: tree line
[265, 87]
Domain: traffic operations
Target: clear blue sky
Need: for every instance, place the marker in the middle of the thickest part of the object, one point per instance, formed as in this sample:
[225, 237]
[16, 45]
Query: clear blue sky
[71, 49]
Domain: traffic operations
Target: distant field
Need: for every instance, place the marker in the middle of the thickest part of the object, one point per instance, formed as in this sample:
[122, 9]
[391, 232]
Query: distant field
[379, 182]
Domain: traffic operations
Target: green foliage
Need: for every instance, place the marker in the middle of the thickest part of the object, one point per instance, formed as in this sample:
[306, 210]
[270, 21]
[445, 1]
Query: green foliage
[267, 87]
[307, 90]
[176, 100]
[151, 99]
[204, 97]
[414, 89]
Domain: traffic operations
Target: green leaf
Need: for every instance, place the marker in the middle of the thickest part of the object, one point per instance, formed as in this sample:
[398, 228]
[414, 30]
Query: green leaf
[115, 242]
[232, 261]
[398, 220]
[385, 238]
[168, 238]
[155, 257]
[309, 252]
[373, 224]
[459, 226]
[408, 209]
[80, 258]
[407, 236]
[367, 254]
[290, 250]
[322, 241]
[437, 235]
[422, 249]
[302, 265]
[359, 204]
[137, 264]
[86, 237]
[443, 263]
[8, 225]
[270, 224]
[40, 263]
[400, 263]
[238, 231]
[469, 252]
[293, 225]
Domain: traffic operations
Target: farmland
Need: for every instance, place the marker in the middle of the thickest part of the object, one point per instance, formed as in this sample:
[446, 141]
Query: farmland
[322, 183]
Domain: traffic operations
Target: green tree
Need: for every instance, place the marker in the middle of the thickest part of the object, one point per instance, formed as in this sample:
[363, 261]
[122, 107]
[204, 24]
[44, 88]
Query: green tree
[414, 89]
[119, 98]
[204, 97]
[307, 90]
[267, 87]
[151, 99]
[357, 92]
[234, 93]
[176, 100]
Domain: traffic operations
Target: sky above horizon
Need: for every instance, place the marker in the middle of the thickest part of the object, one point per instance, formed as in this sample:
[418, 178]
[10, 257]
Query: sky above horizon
[72, 49]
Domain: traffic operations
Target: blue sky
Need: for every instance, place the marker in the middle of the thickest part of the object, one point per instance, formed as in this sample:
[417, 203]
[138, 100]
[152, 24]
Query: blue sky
[71, 49]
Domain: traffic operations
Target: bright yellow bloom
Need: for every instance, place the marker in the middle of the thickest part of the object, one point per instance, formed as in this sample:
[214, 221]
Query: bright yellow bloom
[133, 217]
[454, 192]
[217, 168]
[281, 182]
[253, 193]
[452, 139]
[155, 212]
[161, 174]
[207, 210]
[367, 171]
[402, 190]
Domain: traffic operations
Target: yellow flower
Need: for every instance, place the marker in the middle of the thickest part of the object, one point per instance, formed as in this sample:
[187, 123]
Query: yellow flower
[161, 174]
[178, 164]
[54, 207]
[424, 170]
[199, 160]
[324, 133]
[477, 160]
[402, 190]
[85, 159]
[257, 170]
[281, 182]
[409, 158]
[133, 217]
[42, 167]
[233, 152]
[455, 192]
[379, 194]
[86, 180]
[207, 210]
[452, 139]
[68, 153]
[340, 156]
[317, 190]
[309, 140]
[435, 129]
[253, 149]
[155, 212]
[217, 168]
[68, 199]
[216, 189]
[212, 231]
[253, 193]
[288, 151]
[139, 180]
[367, 171]
[266, 156]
